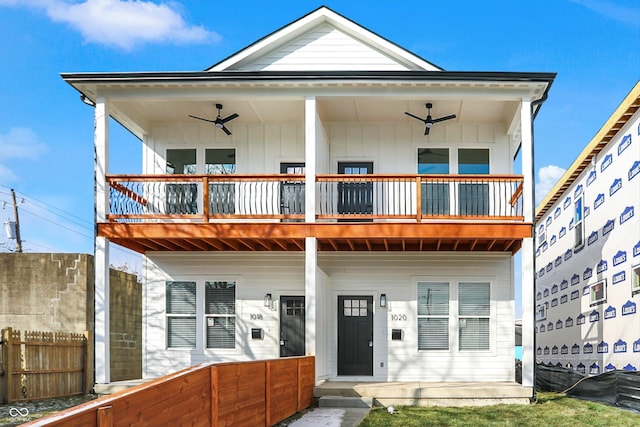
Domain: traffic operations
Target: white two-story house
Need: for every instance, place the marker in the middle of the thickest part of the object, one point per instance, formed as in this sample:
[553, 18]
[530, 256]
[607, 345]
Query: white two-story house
[588, 253]
[323, 192]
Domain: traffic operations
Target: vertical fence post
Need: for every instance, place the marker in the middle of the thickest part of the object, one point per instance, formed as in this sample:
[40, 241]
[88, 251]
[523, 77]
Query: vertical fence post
[267, 393]
[214, 390]
[205, 198]
[88, 363]
[6, 344]
[105, 416]
[7, 338]
[419, 199]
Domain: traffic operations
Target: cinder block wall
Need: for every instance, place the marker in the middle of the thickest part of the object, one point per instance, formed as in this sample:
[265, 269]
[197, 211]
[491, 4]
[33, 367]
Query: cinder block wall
[54, 292]
[125, 324]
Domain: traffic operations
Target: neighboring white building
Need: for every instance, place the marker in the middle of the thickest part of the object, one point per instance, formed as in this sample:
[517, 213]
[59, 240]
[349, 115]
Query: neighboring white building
[588, 253]
[323, 220]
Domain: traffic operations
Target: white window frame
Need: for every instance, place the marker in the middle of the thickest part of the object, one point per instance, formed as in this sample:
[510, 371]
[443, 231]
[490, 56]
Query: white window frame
[635, 279]
[435, 316]
[169, 316]
[464, 318]
[209, 318]
[593, 296]
[201, 316]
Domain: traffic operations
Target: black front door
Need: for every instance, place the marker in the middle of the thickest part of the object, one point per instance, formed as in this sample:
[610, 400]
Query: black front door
[291, 326]
[355, 335]
[355, 196]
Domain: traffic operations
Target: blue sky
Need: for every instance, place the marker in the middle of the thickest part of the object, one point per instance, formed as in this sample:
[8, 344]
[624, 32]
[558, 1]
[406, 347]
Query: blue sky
[46, 132]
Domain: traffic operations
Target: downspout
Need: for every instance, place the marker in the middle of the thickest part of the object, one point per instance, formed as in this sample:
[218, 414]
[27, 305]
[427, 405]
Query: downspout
[534, 112]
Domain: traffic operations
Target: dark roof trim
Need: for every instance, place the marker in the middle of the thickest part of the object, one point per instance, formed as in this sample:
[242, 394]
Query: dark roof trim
[194, 76]
[311, 13]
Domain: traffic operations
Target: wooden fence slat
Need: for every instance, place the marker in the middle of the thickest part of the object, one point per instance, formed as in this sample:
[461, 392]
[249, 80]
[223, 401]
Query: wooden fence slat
[105, 417]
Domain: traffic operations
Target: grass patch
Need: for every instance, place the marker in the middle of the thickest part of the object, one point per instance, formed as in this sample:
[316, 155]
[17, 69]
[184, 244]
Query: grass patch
[551, 409]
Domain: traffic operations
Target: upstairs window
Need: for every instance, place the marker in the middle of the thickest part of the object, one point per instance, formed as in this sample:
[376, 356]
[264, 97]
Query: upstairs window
[473, 198]
[598, 292]
[222, 194]
[181, 198]
[635, 279]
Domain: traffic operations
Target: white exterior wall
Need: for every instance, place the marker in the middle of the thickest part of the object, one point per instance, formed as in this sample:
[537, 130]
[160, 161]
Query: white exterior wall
[612, 248]
[340, 274]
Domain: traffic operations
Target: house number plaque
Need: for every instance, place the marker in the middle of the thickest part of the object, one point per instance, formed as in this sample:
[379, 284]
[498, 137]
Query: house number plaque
[255, 316]
[399, 317]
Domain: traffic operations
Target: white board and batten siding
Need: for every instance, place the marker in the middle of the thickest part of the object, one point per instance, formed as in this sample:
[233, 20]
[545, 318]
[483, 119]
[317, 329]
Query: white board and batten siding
[396, 275]
[324, 48]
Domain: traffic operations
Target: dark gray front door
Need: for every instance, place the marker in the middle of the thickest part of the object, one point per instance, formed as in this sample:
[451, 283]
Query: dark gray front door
[291, 326]
[355, 335]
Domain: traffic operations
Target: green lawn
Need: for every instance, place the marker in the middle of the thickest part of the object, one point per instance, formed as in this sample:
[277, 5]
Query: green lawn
[552, 409]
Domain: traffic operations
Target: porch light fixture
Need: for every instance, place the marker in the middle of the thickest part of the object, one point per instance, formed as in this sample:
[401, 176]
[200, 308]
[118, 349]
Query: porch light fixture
[383, 300]
[267, 300]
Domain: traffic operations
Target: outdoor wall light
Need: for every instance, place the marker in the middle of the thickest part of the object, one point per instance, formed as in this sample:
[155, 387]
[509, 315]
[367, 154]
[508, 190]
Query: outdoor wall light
[267, 300]
[383, 300]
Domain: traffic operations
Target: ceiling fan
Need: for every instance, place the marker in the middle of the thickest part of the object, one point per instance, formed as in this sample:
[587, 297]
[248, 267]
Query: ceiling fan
[429, 121]
[219, 121]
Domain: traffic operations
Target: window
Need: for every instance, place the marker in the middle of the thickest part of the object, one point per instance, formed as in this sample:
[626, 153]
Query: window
[474, 303]
[220, 313]
[541, 312]
[435, 195]
[473, 198]
[181, 198]
[578, 225]
[221, 161]
[635, 279]
[181, 314]
[598, 292]
[433, 316]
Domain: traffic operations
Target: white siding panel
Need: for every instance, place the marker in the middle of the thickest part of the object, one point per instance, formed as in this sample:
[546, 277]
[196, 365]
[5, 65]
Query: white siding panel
[324, 48]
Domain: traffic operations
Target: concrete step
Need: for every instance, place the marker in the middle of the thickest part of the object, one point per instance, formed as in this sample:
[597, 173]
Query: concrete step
[345, 402]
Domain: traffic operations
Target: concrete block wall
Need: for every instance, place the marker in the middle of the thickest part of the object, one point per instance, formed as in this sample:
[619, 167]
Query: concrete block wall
[54, 292]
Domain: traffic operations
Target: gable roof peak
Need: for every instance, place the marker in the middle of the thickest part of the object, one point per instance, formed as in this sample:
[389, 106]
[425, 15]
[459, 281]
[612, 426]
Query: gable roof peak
[323, 21]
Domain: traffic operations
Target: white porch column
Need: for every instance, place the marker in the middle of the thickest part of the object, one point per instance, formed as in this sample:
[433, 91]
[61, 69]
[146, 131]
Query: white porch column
[311, 260]
[101, 255]
[528, 253]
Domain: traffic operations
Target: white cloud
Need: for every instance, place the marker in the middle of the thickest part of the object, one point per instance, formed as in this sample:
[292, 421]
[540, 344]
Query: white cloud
[123, 24]
[625, 14]
[19, 143]
[547, 178]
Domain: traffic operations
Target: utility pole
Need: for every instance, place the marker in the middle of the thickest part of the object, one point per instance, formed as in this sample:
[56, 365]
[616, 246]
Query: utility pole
[15, 214]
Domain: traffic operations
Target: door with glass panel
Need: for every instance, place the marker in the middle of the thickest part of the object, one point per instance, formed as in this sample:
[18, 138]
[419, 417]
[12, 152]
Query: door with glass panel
[355, 197]
[181, 198]
[292, 326]
[222, 193]
[292, 192]
[355, 335]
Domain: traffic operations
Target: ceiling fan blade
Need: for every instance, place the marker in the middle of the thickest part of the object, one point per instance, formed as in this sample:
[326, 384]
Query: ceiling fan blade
[200, 118]
[416, 117]
[227, 131]
[230, 117]
[442, 119]
[426, 130]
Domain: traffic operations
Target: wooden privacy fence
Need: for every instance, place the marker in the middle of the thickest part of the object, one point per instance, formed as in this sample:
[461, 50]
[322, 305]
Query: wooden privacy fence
[258, 393]
[43, 365]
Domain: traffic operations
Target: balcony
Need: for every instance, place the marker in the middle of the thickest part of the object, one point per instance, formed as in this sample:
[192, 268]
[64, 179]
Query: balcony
[352, 212]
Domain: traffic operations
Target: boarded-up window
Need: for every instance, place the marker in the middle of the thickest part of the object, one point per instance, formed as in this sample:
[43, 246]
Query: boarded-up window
[181, 314]
[433, 316]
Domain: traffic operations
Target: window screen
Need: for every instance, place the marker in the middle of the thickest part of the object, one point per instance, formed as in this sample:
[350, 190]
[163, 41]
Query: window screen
[433, 316]
[474, 307]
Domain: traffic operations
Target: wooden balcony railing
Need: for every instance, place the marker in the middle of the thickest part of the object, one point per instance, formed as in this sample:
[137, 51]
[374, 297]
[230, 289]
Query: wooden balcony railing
[135, 198]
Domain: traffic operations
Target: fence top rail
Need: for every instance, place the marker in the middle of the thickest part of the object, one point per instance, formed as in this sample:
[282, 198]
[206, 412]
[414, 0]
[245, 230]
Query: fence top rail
[104, 401]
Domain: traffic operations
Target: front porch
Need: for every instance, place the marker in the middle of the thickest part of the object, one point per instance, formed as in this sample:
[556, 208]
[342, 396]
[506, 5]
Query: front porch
[418, 393]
